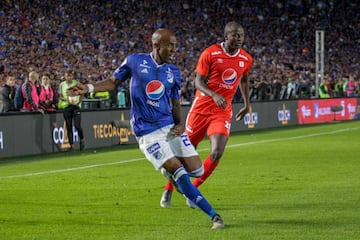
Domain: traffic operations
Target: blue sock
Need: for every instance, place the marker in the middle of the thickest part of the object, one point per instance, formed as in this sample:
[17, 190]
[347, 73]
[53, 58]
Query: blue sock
[191, 192]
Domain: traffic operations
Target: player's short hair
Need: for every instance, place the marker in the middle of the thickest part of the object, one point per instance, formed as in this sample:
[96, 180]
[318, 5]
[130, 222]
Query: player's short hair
[231, 26]
[159, 34]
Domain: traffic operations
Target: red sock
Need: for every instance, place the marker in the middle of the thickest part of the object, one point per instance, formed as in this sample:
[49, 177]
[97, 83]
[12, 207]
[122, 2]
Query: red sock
[169, 186]
[209, 167]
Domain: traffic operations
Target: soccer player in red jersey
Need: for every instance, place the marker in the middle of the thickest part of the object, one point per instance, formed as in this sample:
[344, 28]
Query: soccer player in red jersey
[221, 69]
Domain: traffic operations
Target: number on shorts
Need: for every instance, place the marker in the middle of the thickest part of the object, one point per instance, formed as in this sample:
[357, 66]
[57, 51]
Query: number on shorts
[186, 140]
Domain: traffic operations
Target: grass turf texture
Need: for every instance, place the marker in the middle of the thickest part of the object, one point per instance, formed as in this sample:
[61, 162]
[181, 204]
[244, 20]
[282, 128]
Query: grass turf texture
[289, 183]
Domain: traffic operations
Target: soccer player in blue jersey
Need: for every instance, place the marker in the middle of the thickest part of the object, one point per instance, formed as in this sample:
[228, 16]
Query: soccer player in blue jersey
[155, 115]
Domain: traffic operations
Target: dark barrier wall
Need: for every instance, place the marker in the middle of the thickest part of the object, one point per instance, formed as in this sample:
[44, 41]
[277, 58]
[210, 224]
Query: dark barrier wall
[32, 133]
[266, 115]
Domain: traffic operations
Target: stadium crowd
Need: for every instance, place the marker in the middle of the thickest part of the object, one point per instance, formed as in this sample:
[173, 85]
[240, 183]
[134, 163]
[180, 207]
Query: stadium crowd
[93, 37]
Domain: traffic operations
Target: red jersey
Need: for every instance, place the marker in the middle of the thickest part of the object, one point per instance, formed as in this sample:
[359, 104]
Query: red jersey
[224, 72]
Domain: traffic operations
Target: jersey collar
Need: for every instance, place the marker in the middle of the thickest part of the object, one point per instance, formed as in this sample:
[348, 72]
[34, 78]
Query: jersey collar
[223, 48]
[152, 58]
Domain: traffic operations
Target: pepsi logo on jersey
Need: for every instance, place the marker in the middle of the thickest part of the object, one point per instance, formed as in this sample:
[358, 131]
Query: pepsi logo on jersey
[155, 90]
[229, 76]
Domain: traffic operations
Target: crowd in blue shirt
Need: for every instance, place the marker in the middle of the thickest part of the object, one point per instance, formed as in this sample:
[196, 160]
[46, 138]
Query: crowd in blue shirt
[93, 38]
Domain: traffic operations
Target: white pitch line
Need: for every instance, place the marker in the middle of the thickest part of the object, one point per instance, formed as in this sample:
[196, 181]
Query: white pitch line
[201, 150]
[72, 169]
[293, 138]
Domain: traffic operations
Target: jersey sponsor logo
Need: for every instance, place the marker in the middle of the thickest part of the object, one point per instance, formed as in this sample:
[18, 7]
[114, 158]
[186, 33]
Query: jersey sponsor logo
[216, 53]
[244, 57]
[226, 86]
[153, 103]
[229, 76]
[169, 76]
[144, 64]
[155, 90]
[157, 155]
[153, 148]
[144, 70]
[155, 151]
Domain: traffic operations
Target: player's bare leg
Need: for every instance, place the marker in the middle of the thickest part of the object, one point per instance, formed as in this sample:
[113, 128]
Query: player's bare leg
[218, 143]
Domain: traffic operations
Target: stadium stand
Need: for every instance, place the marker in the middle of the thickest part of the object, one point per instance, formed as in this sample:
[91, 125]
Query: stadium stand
[93, 37]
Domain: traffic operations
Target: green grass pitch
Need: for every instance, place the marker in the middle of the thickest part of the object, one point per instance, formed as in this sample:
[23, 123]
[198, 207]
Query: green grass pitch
[288, 183]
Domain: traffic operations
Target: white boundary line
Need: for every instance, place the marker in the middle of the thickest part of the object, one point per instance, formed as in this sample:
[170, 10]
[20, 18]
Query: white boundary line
[201, 150]
[293, 138]
[72, 169]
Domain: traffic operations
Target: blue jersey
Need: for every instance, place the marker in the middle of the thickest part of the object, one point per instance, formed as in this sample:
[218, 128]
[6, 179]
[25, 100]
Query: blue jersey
[152, 86]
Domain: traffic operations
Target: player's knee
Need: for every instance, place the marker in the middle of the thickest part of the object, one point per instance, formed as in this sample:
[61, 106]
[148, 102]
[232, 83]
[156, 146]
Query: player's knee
[197, 172]
[179, 173]
[216, 155]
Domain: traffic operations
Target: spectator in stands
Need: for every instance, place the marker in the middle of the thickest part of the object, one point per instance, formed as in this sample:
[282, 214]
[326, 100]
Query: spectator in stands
[276, 89]
[100, 95]
[46, 96]
[324, 91]
[338, 89]
[71, 107]
[291, 88]
[304, 89]
[7, 93]
[351, 87]
[53, 36]
[188, 92]
[328, 82]
[30, 93]
[103, 98]
[263, 90]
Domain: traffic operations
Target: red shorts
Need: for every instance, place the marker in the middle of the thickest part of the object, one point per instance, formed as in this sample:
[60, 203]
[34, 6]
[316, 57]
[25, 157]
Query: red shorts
[197, 126]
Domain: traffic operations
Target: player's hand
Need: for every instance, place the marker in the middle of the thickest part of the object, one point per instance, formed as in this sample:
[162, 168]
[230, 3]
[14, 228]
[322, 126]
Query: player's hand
[220, 101]
[40, 110]
[177, 130]
[241, 114]
[78, 89]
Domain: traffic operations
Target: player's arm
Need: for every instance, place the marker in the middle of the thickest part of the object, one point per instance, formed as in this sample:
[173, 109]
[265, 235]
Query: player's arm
[244, 89]
[177, 116]
[120, 74]
[102, 86]
[201, 85]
